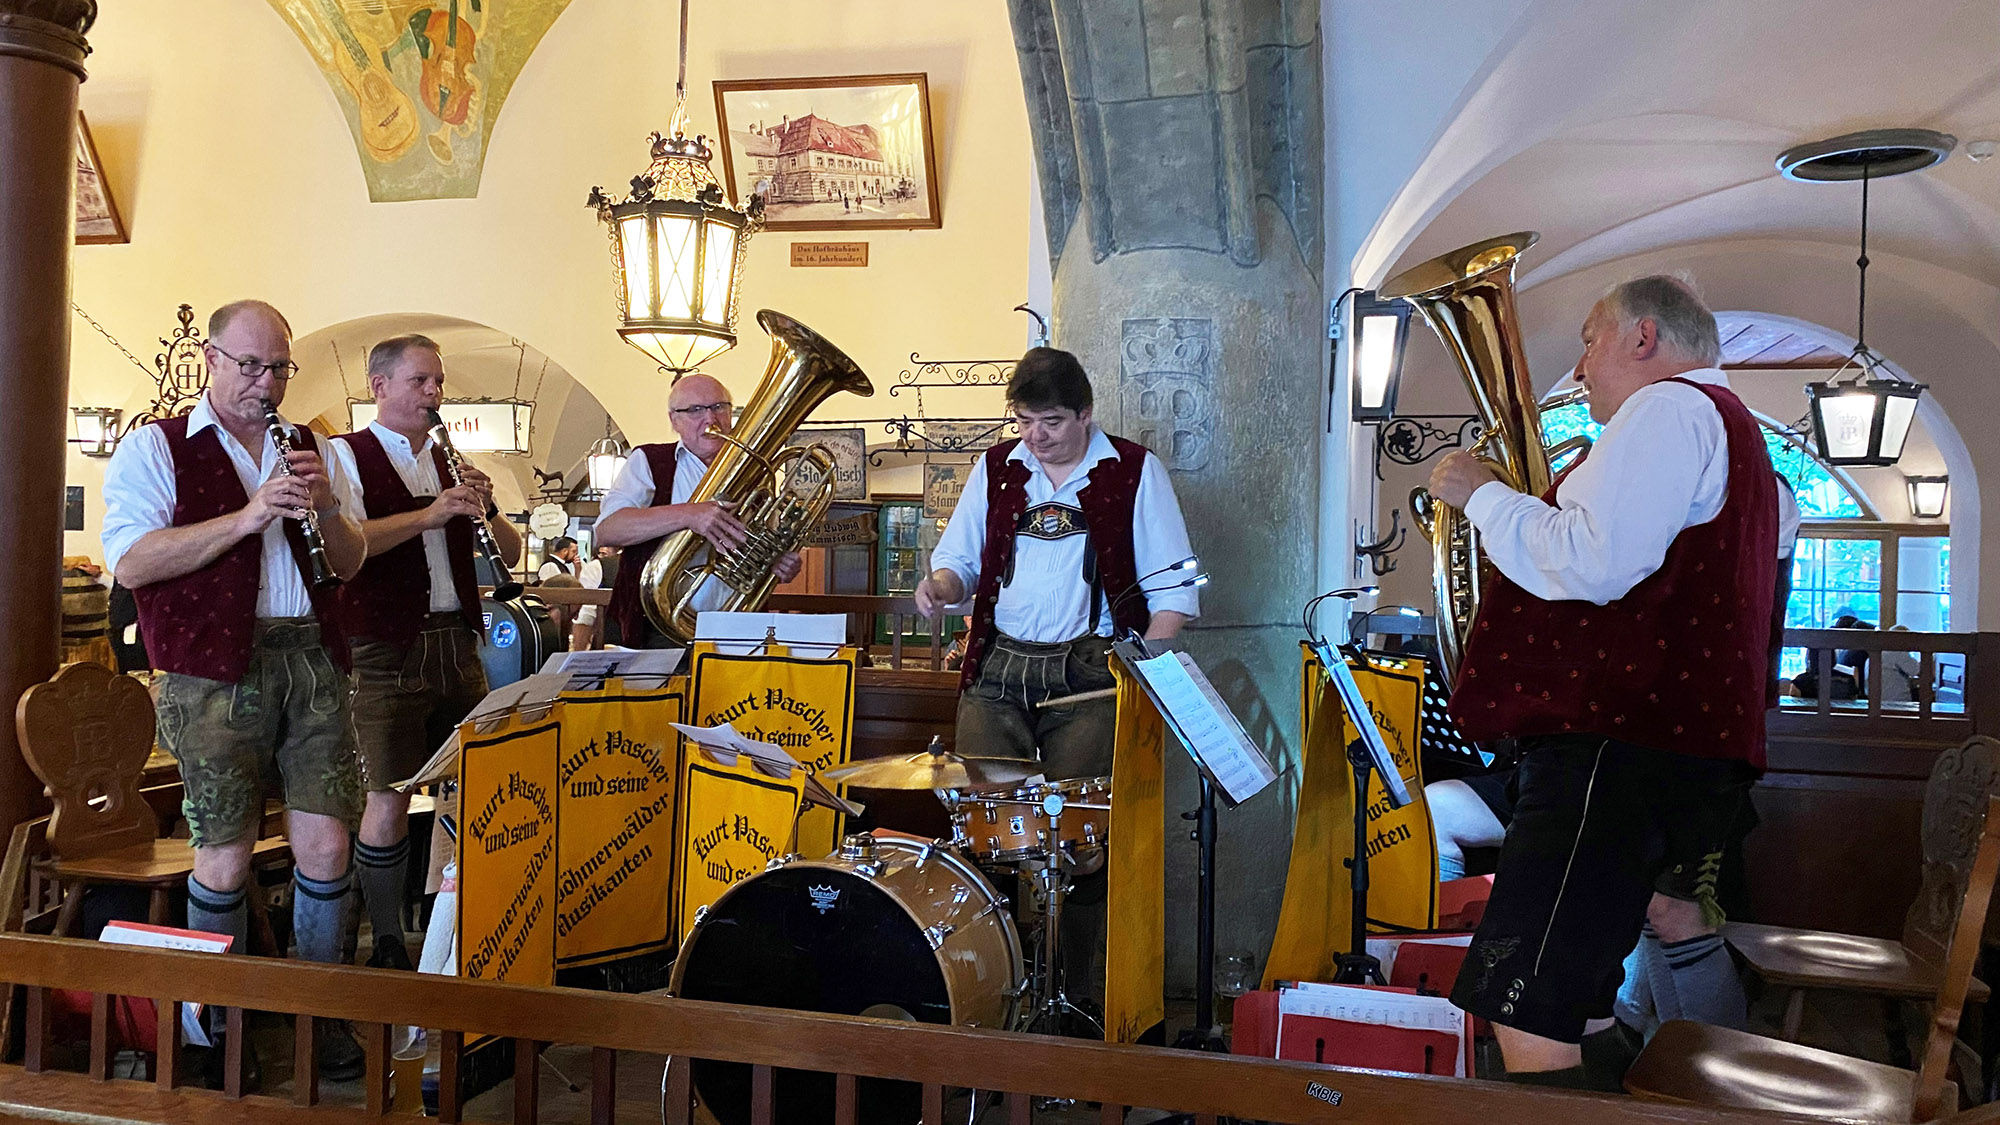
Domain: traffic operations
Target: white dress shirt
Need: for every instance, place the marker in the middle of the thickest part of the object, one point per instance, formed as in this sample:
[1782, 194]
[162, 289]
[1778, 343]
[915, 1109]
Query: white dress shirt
[552, 568]
[139, 499]
[1788, 518]
[419, 472]
[634, 488]
[1660, 466]
[1048, 601]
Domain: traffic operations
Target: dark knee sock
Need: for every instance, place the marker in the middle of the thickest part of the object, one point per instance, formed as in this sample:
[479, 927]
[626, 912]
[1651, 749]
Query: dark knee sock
[220, 912]
[1705, 981]
[383, 872]
[319, 915]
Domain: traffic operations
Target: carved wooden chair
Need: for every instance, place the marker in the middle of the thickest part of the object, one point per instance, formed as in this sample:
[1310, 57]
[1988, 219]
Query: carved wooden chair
[1911, 969]
[1692, 1062]
[87, 734]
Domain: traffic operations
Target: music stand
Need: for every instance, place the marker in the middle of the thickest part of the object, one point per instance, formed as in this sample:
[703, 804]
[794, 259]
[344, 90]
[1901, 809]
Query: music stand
[1367, 753]
[1206, 1034]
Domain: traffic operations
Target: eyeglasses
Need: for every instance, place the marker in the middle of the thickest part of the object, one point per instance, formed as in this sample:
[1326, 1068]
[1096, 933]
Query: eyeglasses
[251, 367]
[708, 408]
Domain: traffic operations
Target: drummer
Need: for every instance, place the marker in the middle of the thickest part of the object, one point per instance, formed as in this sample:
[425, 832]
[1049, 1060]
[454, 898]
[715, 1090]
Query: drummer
[1049, 541]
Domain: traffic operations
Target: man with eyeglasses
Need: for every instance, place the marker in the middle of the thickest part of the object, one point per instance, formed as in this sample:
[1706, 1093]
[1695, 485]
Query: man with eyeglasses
[203, 524]
[700, 409]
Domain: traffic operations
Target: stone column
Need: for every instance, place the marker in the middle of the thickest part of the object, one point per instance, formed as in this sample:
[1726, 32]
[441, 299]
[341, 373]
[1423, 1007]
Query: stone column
[41, 64]
[1179, 145]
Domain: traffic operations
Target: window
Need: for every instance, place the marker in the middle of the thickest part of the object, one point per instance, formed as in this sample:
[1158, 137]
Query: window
[1885, 578]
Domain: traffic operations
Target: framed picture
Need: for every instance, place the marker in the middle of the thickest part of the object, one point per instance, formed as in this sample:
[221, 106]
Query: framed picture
[832, 153]
[96, 212]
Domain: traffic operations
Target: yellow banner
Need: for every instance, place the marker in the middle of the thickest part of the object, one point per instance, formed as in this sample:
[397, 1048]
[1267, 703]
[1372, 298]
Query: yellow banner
[1314, 919]
[738, 821]
[1135, 931]
[804, 706]
[617, 785]
[506, 853]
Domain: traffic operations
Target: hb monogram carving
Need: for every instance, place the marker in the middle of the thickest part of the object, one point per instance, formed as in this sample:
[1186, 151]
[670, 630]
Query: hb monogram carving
[1166, 384]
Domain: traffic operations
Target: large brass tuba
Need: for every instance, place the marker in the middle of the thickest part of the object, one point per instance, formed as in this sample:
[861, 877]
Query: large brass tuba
[1467, 297]
[780, 494]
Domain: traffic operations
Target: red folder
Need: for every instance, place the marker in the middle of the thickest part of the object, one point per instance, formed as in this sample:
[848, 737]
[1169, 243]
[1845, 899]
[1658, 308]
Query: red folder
[1372, 1046]
[1426, 968]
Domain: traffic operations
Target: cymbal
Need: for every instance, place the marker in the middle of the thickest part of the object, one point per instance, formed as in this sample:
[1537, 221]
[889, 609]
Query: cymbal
[943, 770]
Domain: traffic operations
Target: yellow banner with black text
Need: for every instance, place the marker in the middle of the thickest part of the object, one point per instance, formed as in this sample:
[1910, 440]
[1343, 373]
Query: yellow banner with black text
[1314, 919]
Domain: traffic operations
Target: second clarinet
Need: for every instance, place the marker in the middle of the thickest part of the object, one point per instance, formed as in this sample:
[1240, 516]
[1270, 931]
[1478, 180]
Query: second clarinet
[505, 588]
[322, 569]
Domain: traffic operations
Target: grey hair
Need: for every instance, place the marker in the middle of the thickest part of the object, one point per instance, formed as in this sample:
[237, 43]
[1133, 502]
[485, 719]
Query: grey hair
[384, 355]
[1682, 321]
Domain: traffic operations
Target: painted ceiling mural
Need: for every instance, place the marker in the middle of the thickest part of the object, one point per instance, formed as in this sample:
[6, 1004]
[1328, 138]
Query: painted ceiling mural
[421, 81]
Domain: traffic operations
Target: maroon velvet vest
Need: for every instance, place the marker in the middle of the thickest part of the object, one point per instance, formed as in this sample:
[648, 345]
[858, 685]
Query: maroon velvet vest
[1678, 663]
[390, 598]
[203, 623]
[625, 607]
[1107, 503]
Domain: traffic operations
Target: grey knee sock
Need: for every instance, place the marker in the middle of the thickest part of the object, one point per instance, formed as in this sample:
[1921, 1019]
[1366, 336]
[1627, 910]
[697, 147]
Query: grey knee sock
[319, 915]
[1705, 981]
[220, 912]
[383, 873]
[1634, 1006]
[1659, 982]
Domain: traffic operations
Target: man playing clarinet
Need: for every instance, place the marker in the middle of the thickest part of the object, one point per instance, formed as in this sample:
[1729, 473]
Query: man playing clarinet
[412, 613]
[204, 521]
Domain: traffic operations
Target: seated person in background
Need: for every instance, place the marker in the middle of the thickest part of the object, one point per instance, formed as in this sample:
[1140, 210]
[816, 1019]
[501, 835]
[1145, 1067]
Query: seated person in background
[1469, 812]
[1850, 667]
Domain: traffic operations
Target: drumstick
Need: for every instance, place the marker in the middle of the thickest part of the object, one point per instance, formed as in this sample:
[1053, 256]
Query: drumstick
[1080, 697]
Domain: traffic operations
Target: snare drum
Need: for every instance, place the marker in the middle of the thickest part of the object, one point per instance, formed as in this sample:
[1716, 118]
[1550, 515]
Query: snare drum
[891, 928]
[1004, 825]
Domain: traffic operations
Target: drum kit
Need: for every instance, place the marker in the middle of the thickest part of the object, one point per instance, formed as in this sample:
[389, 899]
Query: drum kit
[905, 928]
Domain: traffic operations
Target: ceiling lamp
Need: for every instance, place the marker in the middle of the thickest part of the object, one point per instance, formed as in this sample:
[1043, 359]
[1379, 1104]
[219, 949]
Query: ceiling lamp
[677, 247]
[1864, 419]
[1927, 496]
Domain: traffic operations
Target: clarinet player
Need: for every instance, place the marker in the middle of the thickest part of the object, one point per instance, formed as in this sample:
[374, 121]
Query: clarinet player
[205, 525]
[413, 611]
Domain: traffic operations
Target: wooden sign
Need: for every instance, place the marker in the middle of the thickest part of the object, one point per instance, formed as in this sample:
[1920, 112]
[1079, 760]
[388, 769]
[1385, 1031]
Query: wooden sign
[849, 447]
[829, 253]
[943, 484]
[853, 531]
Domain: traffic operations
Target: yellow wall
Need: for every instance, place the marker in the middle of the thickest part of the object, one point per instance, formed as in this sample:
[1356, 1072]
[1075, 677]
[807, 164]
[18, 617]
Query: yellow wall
[233, 166]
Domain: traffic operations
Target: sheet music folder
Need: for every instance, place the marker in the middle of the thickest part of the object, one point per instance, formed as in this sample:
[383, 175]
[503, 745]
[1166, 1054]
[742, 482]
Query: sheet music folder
[1200, 720]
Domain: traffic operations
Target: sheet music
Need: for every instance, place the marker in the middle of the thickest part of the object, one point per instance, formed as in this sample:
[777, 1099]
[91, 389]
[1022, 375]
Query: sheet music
[725, 744]
[815, 635]
[592, 666]
[1380, 1007]
[1212, 732]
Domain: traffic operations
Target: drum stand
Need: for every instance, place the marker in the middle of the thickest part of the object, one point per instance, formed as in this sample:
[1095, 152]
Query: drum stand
[1051, 1009]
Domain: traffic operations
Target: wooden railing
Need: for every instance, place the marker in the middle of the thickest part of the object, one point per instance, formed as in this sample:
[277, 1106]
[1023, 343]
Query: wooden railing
[1972, 712]
[1018, 1067]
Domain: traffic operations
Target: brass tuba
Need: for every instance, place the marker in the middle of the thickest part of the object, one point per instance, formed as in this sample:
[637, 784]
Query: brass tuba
[1467, 297]
[781, 494]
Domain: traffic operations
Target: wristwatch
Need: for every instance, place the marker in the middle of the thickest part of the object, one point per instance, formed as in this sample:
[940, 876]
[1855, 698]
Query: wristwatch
[492, 512]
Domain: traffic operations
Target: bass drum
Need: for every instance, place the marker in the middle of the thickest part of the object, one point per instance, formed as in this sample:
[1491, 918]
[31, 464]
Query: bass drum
[890, 928]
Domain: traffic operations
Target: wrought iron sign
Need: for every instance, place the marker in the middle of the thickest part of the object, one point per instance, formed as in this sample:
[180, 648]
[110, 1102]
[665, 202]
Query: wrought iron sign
[1412, 439]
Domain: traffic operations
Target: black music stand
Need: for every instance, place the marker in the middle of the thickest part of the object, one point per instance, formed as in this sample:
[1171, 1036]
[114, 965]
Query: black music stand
[1206, 1034]
[1367, 754]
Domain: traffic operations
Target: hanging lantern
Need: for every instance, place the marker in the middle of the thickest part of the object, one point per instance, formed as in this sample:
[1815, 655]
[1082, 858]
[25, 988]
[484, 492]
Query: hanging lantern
[606, 461]
[677, 250]
[96, 429]
[1927, 496]
[1864, 421]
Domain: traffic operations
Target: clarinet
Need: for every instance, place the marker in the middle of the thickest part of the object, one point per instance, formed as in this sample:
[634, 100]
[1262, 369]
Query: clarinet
[505, 588]
[322, 570]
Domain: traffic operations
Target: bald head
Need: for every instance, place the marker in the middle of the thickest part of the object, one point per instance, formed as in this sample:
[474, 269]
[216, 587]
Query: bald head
[691, 421]
[220, 320]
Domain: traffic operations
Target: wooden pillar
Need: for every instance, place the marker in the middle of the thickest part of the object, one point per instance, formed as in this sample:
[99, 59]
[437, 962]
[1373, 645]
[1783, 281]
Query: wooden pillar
[42, 49]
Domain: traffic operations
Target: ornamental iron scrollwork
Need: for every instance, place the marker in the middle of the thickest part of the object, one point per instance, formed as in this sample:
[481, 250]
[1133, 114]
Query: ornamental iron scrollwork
[1412, 439]
[953, 373]
[180, 373]
[912, 437]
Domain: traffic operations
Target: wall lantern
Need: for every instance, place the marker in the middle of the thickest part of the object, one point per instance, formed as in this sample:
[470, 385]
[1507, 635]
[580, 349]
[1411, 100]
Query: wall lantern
[677, 247]
[96, 429]
[1376, 331]
[1927, 496]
